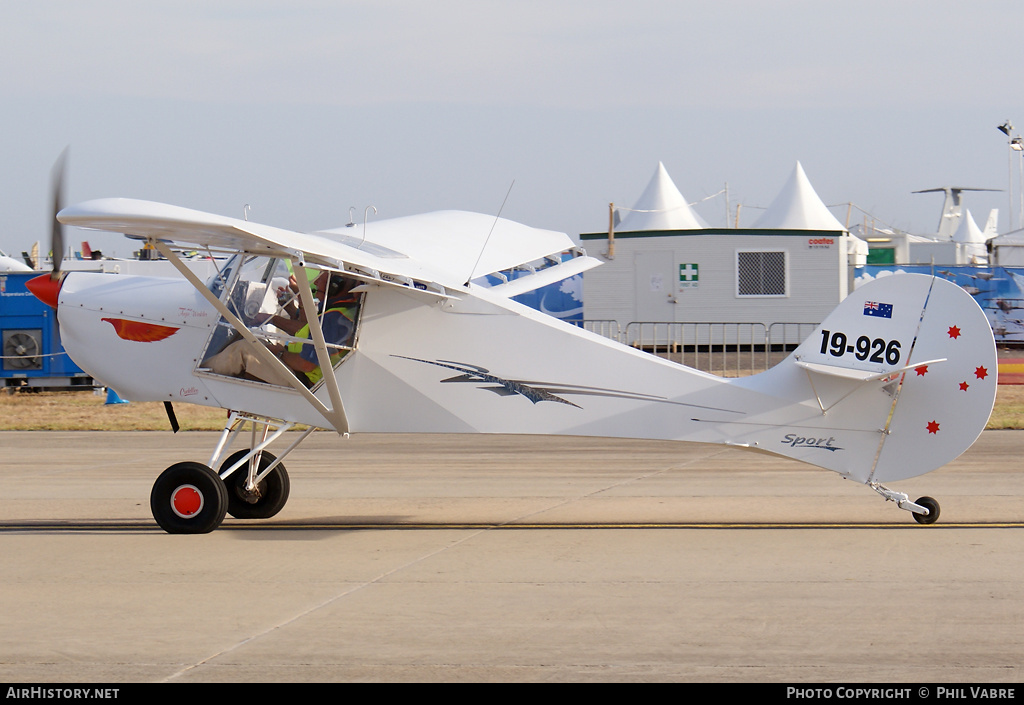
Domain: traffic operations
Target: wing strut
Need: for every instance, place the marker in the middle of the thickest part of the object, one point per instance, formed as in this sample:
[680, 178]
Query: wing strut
[336, 416]
[316, 331]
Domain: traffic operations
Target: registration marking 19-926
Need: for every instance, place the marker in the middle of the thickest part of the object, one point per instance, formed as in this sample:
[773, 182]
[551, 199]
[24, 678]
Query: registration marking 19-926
[838, 344]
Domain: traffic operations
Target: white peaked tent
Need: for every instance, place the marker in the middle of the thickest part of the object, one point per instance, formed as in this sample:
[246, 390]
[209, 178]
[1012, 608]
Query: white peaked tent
[797, 207]
[970, 241]
[661, 207]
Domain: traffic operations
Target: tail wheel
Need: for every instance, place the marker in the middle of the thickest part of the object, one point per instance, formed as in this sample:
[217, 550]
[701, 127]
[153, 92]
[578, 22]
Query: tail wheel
[188, 498]
[269, 496]
[933, 511]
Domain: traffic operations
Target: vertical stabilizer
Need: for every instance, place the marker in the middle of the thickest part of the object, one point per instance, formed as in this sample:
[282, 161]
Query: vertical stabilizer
[899, 380]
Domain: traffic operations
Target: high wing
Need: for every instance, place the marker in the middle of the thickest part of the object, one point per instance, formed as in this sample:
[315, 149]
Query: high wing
[436, 252]
[436, 255]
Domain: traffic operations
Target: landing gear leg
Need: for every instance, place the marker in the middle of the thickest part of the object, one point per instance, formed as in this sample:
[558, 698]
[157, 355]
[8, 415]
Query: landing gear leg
[190, 498]
[925, 509]
[257, 482]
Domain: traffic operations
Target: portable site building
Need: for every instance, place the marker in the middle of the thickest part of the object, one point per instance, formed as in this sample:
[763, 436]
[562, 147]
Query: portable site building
[1008, 249]
[794, 266]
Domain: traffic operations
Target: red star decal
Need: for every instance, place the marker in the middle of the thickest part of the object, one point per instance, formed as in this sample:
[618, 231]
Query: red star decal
[922, 371]
[933, 427]
[964, 386]
[981, 373]
[954, 332]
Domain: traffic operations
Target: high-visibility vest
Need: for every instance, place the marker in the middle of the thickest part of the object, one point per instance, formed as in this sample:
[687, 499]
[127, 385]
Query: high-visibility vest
[346, 309]
[311, 273]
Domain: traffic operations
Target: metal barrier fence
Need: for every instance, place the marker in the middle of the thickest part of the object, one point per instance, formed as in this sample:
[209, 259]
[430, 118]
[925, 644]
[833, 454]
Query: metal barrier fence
[730, 349]
[608, 329]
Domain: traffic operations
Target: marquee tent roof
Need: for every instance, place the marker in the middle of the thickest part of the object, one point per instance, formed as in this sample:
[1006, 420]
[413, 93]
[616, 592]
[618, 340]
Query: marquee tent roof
[798, 207]
[661, 207]
[968, 231]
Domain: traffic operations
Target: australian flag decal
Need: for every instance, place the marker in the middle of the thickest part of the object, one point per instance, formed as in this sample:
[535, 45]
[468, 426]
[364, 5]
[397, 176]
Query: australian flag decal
[880, 310]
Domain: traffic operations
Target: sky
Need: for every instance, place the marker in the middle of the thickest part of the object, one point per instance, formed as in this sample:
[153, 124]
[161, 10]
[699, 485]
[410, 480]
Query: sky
[310, 112]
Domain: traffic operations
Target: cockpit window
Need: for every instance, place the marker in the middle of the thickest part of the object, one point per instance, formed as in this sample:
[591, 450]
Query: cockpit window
[263, 293]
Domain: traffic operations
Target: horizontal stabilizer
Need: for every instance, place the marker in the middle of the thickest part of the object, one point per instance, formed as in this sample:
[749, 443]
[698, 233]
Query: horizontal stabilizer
[861, 375]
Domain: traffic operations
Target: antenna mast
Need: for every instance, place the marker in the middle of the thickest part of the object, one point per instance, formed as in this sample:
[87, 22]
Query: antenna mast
[479, 256]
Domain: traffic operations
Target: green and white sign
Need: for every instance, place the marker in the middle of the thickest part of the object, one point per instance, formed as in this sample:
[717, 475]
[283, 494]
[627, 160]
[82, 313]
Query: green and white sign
[689, 276]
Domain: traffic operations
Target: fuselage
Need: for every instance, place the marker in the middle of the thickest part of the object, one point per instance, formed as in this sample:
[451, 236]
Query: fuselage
[481, 363]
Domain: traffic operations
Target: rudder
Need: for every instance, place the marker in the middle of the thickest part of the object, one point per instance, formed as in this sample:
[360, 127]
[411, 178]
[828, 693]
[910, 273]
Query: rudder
[941, 409]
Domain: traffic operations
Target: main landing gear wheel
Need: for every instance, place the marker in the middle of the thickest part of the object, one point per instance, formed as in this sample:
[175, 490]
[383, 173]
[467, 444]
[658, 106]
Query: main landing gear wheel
[270, 494]
[188, 498]
[933, 511]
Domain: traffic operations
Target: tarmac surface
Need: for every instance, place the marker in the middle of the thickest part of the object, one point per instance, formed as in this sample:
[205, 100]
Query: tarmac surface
[500, 558]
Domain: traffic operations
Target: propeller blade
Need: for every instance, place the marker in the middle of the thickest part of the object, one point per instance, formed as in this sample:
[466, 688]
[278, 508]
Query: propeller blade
[56, 228]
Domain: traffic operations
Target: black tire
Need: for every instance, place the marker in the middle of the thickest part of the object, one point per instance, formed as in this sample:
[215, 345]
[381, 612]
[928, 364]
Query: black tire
[271, 492]
[933, 511]
[188, 498]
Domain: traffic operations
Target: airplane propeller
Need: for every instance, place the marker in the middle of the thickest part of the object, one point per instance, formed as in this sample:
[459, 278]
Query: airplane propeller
[47, 287]
[56, 228]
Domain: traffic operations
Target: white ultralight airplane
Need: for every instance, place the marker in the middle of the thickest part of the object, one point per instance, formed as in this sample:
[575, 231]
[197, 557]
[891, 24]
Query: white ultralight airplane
[899, 380]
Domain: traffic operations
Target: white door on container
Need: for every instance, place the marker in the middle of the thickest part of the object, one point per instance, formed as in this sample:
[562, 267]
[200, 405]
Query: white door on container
[655, 275]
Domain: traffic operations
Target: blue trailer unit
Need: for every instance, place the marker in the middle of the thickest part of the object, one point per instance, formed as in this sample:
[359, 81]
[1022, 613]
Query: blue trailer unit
[30, 350]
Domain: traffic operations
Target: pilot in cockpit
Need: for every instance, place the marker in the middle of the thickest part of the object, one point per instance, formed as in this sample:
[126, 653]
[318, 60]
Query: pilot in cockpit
[338, 322]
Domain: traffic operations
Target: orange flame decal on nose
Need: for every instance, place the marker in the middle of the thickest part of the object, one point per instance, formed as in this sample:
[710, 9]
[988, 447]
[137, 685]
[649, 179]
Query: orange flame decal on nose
[140, 331]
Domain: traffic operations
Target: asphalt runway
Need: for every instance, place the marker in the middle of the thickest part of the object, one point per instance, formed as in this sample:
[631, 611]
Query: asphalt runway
[498, 558]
